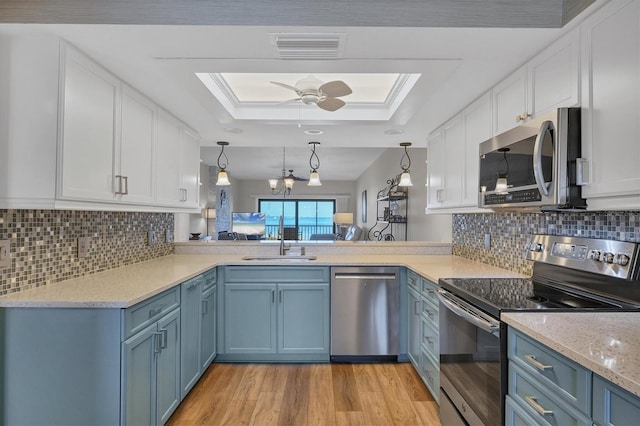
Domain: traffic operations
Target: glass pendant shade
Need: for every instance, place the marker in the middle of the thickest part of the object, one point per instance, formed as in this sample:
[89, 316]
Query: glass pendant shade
[314, 179]
[288, 183]
[501, 185]
[405, 179]
[223, 179]
[273, 184]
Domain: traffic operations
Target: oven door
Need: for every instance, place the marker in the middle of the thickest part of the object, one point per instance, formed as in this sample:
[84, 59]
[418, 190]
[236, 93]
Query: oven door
[470, 371]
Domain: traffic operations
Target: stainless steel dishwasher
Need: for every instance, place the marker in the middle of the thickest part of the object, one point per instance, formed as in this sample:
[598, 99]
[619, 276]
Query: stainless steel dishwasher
[365, 314]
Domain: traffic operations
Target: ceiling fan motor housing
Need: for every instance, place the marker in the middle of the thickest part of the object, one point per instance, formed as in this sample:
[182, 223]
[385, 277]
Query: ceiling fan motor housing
[310, 97]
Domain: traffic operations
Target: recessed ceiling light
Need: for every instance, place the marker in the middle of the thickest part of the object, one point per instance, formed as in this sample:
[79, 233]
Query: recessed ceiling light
[313, 132]
[393, 132]
[233, 130]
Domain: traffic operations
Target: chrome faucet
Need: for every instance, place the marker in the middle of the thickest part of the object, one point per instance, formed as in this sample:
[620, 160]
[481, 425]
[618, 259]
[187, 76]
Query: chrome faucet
[283, 247]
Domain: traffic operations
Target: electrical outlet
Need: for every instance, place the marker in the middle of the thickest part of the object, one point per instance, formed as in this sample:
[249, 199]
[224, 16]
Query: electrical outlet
[83, 247]
[5, 253]
[487, 241]
[153, 238]
[167, 235]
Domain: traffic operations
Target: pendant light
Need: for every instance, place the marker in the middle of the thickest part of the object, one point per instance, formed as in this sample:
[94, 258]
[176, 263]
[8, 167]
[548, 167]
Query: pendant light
[223, 178]
[286, 181]
[502, 185]
[405, 177]
[314, 177]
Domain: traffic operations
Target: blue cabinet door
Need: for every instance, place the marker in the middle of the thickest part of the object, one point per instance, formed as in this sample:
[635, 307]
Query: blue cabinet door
[208, 328]
[414, 321]
[139, 377]
[190, 302]
[250, 318]
[168, 369]
[303, 318]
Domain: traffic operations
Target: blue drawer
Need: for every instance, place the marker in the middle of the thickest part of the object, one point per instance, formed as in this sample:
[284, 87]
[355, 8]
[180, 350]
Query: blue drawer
[140, 315]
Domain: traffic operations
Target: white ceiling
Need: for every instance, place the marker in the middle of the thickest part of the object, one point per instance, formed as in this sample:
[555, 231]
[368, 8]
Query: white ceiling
[456, 66]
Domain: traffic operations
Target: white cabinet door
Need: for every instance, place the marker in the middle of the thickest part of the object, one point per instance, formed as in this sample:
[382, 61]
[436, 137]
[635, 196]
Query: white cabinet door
[190, 168]
[135, 178]
[478, 127]
[435, 170]
[90, 107]
[554, 75]
[510, 101]
[611, 108]
[454, 155]
[168, 180]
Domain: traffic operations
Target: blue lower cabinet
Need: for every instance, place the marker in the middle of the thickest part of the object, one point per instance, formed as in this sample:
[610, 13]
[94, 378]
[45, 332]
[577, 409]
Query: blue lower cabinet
[613, 405]
[209, 324]
[250, 318]
[414, 326]
[303, 318]
[191, 306]
[151, 372]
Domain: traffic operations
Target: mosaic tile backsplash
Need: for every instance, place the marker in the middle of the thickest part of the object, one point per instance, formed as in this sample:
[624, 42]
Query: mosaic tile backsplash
[44, 243]
[510, 231]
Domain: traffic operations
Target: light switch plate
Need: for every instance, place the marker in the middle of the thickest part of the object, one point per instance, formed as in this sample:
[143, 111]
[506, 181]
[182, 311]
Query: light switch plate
[5, 253]
[167, 235]
[487, 241]
[153, 238]
[83, 247]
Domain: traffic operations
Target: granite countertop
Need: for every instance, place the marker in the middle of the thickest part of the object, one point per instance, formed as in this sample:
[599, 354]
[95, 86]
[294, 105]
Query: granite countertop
[607, 343]
[126, 286]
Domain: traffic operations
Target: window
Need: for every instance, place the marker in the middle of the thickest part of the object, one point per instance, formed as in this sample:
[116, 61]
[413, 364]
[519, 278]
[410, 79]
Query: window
[307, 217]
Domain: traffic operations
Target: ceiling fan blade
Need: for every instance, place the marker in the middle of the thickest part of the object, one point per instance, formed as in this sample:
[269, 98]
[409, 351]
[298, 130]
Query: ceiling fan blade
[336, 88]
[286, 86]
[331, 104]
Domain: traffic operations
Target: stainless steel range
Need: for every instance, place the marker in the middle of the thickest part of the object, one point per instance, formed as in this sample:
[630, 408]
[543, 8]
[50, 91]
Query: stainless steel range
[569, 273]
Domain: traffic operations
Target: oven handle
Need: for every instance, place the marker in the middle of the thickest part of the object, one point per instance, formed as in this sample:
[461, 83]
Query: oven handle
[545, 128]
[468, 313]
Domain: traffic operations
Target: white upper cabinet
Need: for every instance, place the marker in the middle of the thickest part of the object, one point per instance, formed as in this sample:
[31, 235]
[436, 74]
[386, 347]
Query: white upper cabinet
[549, 80]
[135, 169]
[510, 101]
[178, 163]
[453, 161]
[477, 121]
[95, 139]
[90, 103]
[611, 107]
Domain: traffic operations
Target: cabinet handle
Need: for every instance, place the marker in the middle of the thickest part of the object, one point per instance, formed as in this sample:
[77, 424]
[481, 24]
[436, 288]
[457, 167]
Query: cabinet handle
[539, 408]
[537, 364]
[428, 339]
[119, 190]
[157, 346]
[205, 307]
[164, 338]
[522, 117]
[582, 165]
[126, 185]
[273, 296]
[439, 197]
[280, 295]
[429, 313]
[416, 307]
[518, 118]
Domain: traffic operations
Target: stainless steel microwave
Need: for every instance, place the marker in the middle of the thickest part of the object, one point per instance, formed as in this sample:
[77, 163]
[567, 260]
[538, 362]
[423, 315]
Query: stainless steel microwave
[534, 165]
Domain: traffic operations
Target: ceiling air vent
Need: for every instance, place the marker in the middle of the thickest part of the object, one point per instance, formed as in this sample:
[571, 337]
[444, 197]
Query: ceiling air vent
[308, 46]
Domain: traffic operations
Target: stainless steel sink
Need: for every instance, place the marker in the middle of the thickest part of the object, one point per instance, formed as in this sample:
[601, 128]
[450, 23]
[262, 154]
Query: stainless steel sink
[279, 257]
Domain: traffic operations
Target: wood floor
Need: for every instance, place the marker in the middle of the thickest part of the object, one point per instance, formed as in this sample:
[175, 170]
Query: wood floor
[308, 394]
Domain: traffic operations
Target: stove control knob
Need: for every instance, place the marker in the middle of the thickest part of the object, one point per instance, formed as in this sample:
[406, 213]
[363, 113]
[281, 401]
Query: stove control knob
[536, 247]
[595, 255]
[607, 257]
[621, 259]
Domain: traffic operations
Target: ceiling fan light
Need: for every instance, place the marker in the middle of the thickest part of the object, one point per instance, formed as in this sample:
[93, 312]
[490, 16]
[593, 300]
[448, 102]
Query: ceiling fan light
[273, 184]
[223, 179]
[288, 182]
[314, 179]
[405, 179]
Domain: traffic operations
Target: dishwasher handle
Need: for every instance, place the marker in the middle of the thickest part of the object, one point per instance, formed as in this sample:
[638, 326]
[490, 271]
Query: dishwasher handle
[348, 276]
[469, 313]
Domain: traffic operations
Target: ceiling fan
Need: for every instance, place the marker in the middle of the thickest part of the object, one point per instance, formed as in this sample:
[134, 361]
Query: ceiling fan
[310, 90]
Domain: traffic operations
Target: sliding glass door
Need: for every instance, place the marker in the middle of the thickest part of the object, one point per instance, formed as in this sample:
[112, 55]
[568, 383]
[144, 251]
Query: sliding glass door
[302, 218]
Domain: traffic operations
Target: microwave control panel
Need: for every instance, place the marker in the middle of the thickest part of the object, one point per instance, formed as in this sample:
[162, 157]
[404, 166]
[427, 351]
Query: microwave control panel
[523, 196]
